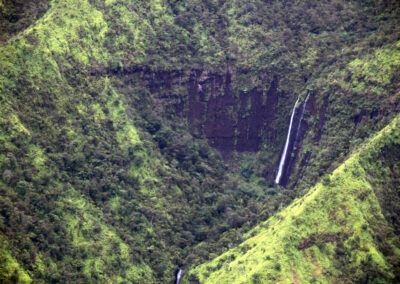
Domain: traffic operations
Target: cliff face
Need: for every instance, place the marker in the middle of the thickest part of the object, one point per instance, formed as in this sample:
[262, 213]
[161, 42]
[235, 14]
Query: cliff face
[216, 107]
[239, 95]
[231, 120]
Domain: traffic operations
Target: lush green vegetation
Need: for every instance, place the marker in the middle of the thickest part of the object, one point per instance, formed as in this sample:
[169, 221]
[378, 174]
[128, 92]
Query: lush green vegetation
[18, 15]
[335, 233]
[9, 266]
[101, 180]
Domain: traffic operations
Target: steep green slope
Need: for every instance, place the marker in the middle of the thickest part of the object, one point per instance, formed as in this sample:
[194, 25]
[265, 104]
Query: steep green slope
[95, 186]
[46, 216]
[353, 101]
[336, 232]
[102, 181]
[48, 122]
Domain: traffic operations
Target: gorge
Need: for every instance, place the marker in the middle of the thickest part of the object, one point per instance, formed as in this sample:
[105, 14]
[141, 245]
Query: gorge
[199, 141]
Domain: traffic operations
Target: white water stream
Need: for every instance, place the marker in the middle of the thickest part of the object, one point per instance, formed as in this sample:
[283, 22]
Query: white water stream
[285, 149]
[178, 276]
[303, 110]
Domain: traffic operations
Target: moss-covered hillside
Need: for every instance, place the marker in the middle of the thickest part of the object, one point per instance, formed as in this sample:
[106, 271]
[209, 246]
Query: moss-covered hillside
[340, 231]
[140, 137]
[86, 193]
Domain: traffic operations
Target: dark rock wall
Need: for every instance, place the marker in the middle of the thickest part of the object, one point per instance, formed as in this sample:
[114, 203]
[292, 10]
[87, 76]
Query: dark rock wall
[231, 121]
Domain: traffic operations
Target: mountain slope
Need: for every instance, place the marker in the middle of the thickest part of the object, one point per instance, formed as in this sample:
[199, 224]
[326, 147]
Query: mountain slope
[336, 232]
[108, 110]
[95, 184]
[63, 176]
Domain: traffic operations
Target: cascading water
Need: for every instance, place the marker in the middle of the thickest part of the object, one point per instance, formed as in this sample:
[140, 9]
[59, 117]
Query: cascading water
[303, 109]
[178, 276]
[285, 149]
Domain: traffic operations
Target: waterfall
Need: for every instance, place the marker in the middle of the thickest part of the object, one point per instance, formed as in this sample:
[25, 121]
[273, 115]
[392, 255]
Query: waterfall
[285, 149]
[303, 109]
[178, 276]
